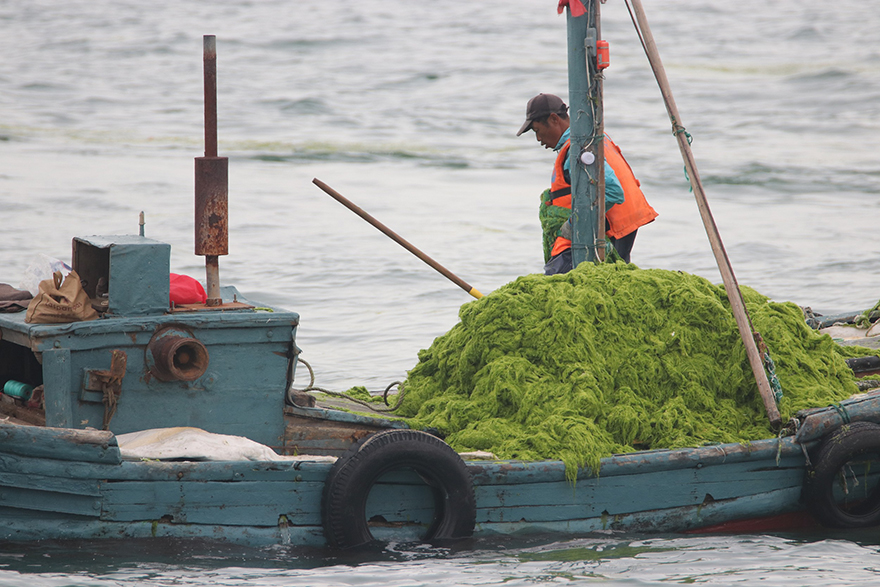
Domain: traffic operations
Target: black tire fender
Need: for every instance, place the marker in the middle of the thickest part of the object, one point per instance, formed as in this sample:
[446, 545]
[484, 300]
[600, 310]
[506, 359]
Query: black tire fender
[848, 442]
[349, 481]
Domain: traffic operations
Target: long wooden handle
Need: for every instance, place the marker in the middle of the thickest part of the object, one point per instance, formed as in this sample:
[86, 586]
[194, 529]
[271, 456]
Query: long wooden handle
[740, 312]
[397, 238]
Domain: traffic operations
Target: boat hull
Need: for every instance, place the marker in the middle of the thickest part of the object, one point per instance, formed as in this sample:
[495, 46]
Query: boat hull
[58, 483]
[91, 493]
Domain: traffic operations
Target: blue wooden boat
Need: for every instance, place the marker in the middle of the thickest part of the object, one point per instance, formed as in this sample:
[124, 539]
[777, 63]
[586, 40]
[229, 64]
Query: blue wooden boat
[63, 481]
[290, 471]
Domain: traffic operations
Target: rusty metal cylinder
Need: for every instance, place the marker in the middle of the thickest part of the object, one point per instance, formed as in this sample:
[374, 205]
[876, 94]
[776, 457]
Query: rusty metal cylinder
[210, 69]
[178, 358]
[212, 208]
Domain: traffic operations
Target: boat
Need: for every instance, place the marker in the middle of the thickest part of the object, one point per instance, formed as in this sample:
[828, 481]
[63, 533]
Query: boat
[181, 421]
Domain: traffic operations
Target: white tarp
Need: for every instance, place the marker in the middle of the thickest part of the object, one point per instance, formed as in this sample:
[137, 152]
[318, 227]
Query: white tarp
[184, 443]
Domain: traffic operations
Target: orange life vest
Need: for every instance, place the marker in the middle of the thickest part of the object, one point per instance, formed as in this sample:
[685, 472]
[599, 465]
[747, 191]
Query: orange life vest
[622, 218]
[635, 210]
[560, 193]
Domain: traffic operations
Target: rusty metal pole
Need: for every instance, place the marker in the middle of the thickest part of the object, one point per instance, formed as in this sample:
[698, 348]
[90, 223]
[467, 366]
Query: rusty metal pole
[210, 73]
[211, 185]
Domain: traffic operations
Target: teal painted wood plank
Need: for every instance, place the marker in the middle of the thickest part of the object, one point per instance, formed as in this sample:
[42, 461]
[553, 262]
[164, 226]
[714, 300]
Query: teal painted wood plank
[91, 446]
[52, 468]
[234, 504]
[279, 471]
[314, 471]
[862, 408]
[118, 333]
[626, 494]
[506, 472]
[331, 415]
[67, 528]
[56, 387]
[704, 456]
[29, 527]
[31, 481]
[673, 520]
[49, 501]
[204, 320]
[13, 335]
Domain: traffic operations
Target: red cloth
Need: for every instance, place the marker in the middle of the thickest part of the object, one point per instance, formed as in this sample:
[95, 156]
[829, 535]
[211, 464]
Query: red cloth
[576, 7]
[186, 290]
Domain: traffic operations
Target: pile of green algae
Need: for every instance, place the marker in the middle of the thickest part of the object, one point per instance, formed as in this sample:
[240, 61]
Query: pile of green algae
[609, 359]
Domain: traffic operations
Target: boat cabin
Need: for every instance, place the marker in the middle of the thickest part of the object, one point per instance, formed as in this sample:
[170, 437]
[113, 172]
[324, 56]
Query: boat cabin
[145, 364]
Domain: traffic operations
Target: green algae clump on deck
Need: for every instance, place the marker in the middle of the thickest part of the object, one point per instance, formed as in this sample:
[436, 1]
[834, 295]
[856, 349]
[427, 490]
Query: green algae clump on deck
[611, 359]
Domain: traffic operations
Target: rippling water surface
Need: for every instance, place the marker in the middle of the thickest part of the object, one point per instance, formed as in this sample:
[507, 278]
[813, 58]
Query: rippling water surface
[410, 109]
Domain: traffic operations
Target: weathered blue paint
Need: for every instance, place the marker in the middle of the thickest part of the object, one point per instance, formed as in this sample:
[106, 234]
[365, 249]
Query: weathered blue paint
[125, 260]
[82, 446]
[225, 399]
[822, 421]
[582, 106]
[66, 481]
[71, 483]
[57, 393]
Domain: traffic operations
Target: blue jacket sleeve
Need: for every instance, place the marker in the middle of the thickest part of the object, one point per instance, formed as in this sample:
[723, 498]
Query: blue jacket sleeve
[613, 191]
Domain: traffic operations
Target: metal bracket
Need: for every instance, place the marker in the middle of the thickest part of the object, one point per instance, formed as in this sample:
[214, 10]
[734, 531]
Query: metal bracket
[99, 382]
[590, 42]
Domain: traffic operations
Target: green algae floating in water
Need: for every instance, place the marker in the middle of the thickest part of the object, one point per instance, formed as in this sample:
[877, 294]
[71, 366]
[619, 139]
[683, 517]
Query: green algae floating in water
[611, 359]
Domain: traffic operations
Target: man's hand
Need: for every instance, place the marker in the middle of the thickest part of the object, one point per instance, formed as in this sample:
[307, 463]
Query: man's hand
[565, 229]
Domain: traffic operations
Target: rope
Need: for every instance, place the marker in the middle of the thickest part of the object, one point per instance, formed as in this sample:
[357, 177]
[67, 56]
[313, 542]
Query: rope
[111, 385]
[841, 411]
[311, 387]
[677, 129]
[636, 25]
[110, 402]
[779, 448]
[790, 429]
[796, 425]
[863, 320]
[769, 366]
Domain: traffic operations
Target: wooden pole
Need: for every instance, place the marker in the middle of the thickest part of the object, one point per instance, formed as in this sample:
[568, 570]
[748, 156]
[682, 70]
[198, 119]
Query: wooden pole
[397, 238]
[730, 285]
[599, 132]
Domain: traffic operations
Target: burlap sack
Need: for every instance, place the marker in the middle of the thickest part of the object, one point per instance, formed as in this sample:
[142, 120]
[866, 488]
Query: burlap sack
[60, 299]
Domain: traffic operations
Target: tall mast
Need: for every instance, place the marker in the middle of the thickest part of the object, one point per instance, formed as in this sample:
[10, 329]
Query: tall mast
[211, 185]
[586, 153]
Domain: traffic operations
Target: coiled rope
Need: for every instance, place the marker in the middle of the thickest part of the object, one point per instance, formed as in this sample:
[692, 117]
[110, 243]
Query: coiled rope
[312, 387]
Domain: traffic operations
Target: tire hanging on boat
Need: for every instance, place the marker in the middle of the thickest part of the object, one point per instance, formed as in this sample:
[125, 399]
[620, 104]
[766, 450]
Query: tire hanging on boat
[348, 484]
[838, 490]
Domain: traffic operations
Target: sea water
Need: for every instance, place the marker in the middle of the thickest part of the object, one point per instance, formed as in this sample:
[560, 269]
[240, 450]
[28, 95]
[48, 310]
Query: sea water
[410, 110]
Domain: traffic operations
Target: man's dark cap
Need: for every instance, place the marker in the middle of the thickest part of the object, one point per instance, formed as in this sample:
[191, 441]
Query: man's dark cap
[540, 106]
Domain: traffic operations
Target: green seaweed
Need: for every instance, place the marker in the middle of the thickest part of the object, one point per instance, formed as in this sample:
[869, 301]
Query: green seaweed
[610, 359]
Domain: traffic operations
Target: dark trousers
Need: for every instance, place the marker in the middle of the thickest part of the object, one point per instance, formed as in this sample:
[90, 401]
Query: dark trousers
[561, 263]
[624, 245]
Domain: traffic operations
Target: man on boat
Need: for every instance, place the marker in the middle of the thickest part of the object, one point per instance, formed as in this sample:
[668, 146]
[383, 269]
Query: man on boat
[625, 206]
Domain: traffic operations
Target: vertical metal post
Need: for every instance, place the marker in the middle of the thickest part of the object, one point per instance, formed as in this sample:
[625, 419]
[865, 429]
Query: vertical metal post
[210, 68]
[212, 262]
[211, 185]
[584, 178]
